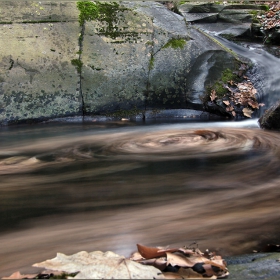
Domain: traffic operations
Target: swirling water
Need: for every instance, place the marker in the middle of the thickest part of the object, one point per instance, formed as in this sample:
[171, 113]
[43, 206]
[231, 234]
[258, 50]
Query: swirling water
[107, 186]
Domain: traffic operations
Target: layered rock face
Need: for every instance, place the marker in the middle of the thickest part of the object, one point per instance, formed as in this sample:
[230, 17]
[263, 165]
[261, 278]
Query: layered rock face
[139, 56]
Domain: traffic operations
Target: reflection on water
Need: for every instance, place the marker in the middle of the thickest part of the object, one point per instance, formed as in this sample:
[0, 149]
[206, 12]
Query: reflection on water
[68, 188]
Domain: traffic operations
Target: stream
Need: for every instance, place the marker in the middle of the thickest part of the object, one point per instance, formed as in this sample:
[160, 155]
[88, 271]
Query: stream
[88, 186]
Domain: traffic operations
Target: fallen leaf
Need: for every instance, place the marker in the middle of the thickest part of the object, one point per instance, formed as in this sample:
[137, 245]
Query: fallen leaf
[189, 273]
[261, 104]
[213, 95]
[18, 275]
[177, 260]
[159, 263]
[226, 102]
[188, 251]
[253, 104]
[136, 256]
[254, 91]
[172, 275]
[152, 252]
[98, 265]
[247, 112]
[233, 113]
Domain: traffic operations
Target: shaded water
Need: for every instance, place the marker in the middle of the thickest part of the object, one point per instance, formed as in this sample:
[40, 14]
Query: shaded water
[107, 186]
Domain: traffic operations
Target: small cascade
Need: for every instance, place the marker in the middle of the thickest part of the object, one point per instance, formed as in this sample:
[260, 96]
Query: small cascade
[265, 71]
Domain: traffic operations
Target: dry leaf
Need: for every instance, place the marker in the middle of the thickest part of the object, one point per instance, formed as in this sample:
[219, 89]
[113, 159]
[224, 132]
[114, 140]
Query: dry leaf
[152, 252]
[18, 275]
[213, 95]
[172, 275]
[254, 91]
[189, 273]
[233, 113]
[136, 256]
[226, 102]
[188, 251]
[247, 112]
[159, 263]
[176, 260]
[253, 104]
[98, 265]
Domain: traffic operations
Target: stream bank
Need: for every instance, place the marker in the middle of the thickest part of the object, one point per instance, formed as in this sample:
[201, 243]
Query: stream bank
[142, 57]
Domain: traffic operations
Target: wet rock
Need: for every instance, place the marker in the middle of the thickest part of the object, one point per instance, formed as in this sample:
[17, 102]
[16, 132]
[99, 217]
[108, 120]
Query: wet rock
[254, 266]
[142, 59]
[231, 21]
[271, 118]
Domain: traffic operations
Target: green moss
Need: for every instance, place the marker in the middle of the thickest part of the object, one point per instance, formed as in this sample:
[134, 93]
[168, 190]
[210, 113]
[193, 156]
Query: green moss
[151, 63]
[105, 12]
[78, 64]
[264, 7]
[149, 43]
[219, 86]
[175, 43]
[228, 75]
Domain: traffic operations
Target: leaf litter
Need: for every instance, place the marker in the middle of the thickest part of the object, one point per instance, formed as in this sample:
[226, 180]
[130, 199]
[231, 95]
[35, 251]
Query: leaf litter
[146, 263]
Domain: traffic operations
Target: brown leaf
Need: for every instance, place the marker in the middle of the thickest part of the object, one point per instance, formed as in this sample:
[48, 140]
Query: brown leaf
[233, 113]
[18, 275]
[186, 251]
[253, 104]
[172, 275]
[254, 91]
[209, 272]
[261, 104]
[189, 273]
[136, 256]
[177, 260]
[159, 263]
[226, 102]
[229, 89]
[152, 252]
[247, 112]
[99, 265]
[213, 95]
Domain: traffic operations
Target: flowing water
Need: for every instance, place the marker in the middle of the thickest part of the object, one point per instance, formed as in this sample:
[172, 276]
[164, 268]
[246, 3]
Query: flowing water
[107, 186]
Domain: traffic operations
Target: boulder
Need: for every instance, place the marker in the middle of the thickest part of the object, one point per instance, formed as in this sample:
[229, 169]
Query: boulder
[271, 118]
[140, 57]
